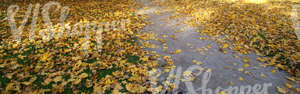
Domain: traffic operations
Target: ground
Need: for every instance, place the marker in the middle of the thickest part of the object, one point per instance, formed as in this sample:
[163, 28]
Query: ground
[241, 44]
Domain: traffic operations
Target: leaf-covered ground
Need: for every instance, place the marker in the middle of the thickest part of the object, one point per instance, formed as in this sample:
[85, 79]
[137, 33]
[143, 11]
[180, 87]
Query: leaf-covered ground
[60, 66]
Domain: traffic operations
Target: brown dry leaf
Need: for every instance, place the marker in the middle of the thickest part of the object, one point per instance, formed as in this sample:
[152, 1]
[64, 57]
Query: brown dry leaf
[288, 85]
[282, 90]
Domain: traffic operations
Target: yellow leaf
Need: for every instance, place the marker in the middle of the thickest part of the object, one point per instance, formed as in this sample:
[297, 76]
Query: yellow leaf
[57, 79]
[30, 81]
[83, 75]
[236, 56]
[178, 51]
[240, 69]
[15, 45]
[199, 63]
[280, 66]
[262, 75]
[246, 59]
[225, 45]
[135, 88]
[47, 81]
[45, 56]
[9, 86]
[222, 92]
[273, 71]
[246, 65]
[77, 81]
[241, 78]
[235, 64]
[231, 83]
[165, 36]
[194, 61]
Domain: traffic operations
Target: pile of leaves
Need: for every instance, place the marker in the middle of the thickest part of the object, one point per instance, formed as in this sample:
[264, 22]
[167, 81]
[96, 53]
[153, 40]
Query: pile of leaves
[262, 27]
[60, 66]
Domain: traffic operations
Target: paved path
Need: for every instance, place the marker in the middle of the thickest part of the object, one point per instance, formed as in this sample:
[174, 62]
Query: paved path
[225, 67]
